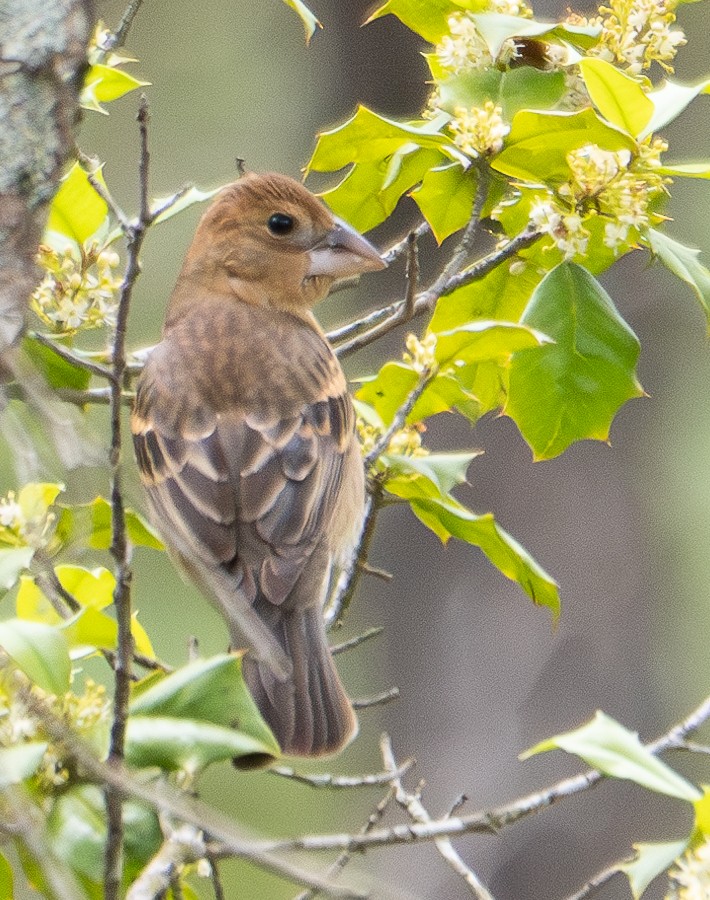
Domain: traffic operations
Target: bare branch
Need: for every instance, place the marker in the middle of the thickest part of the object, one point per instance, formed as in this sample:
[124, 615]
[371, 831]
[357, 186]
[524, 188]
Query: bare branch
[416, 811]
[598, 880]
[120, 546]
[377, 699]
[118, 38]
[357, 640]
[326, 780]
[184, 845]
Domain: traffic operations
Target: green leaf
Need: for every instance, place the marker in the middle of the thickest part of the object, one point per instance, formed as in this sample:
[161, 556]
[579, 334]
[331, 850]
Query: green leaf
[36, 497]
[77, 211]
[105, 83]
[448, 518]
[41, 651]
[617, 752]
[683, 262]
[76, 828]
[572, 389]
[443, 470]
[428, 18]
[685, 170]
[617, 96]
[57, 372]
[445, 198]
[90, 524]
[207, 690]
[538, 143]
[669, 101]
[7, 889]
[367, 137]
[180, 743]
[310, 22]
[362, 198]
[388, 389]
[18, 763]
[188, 199]
[485, 340]
[502, 294]
[650, 861]
[13, 561]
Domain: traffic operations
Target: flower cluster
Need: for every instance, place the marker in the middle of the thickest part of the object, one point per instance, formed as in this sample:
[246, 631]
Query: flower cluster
[607, 183]
[635, 33]
[22, 522]
[77, 292]
[420, 355]
[463, 48]
[87, 715]
[479, 131]
[690, 880]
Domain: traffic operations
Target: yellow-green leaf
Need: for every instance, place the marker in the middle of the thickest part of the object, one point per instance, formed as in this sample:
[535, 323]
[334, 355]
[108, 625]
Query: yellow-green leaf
[310, 22]
[77, 211]
[649, 862]
[607, 746]
[617, 96]
[106, 83]
[41, 651]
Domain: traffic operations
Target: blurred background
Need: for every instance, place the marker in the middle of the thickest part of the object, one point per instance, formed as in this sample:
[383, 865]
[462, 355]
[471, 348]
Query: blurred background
[624, 528]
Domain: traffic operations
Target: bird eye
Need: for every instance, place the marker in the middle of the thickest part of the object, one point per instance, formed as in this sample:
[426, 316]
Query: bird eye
[280, 224]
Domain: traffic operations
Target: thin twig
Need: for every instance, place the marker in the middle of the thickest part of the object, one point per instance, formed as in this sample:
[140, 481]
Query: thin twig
[217, 885]
[357, 640]
[411, 274]
[92, 396]
[68, 356]
[598, 880]
[350, 578]
[414, 808]
[120, 546]
[327, 780]
[377, 699]
[118, 38]
[400, 417]
[485, 821]
[402, 247]
[90, 166]
[380, 322]
[344, 858]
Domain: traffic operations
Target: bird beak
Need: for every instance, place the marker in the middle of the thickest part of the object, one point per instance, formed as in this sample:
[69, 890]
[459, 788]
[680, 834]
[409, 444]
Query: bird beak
[342, 253]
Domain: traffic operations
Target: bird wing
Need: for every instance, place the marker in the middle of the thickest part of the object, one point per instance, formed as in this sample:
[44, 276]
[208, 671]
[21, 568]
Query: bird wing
[243, 495]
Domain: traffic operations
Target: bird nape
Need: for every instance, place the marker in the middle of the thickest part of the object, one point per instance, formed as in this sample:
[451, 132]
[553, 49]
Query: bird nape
[244, 432]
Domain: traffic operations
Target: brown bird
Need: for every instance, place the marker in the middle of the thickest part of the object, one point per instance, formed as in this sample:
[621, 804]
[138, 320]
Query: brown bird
[245, 437]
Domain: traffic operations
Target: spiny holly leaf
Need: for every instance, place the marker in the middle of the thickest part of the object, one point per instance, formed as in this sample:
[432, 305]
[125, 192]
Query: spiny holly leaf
[572, 389]
[485, 340]
[206, 690]
[443, 470]
[684, 263]
[447, 518]
[617, 96]
[90, 524]
[77, 211]
[512, 90]
[613, 750]
[310, 22]
[536, 148]
[649, 862]
[371, 190]
[106, 83]
[189, 198]
[445, 198]
[428, 18]
[669, 101]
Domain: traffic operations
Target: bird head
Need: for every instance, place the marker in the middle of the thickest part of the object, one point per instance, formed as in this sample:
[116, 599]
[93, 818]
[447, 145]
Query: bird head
[269, 241]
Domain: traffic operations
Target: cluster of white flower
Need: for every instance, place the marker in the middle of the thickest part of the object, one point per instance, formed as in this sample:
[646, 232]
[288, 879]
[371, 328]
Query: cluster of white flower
[11, 515]
[690, 879]
[420, 355]
[77, 292]
[564, 226]
[636, 33]
[463, 48]
[479, 130]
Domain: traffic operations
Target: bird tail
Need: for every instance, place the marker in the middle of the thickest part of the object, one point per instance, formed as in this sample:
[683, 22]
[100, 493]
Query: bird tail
[309, 713]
